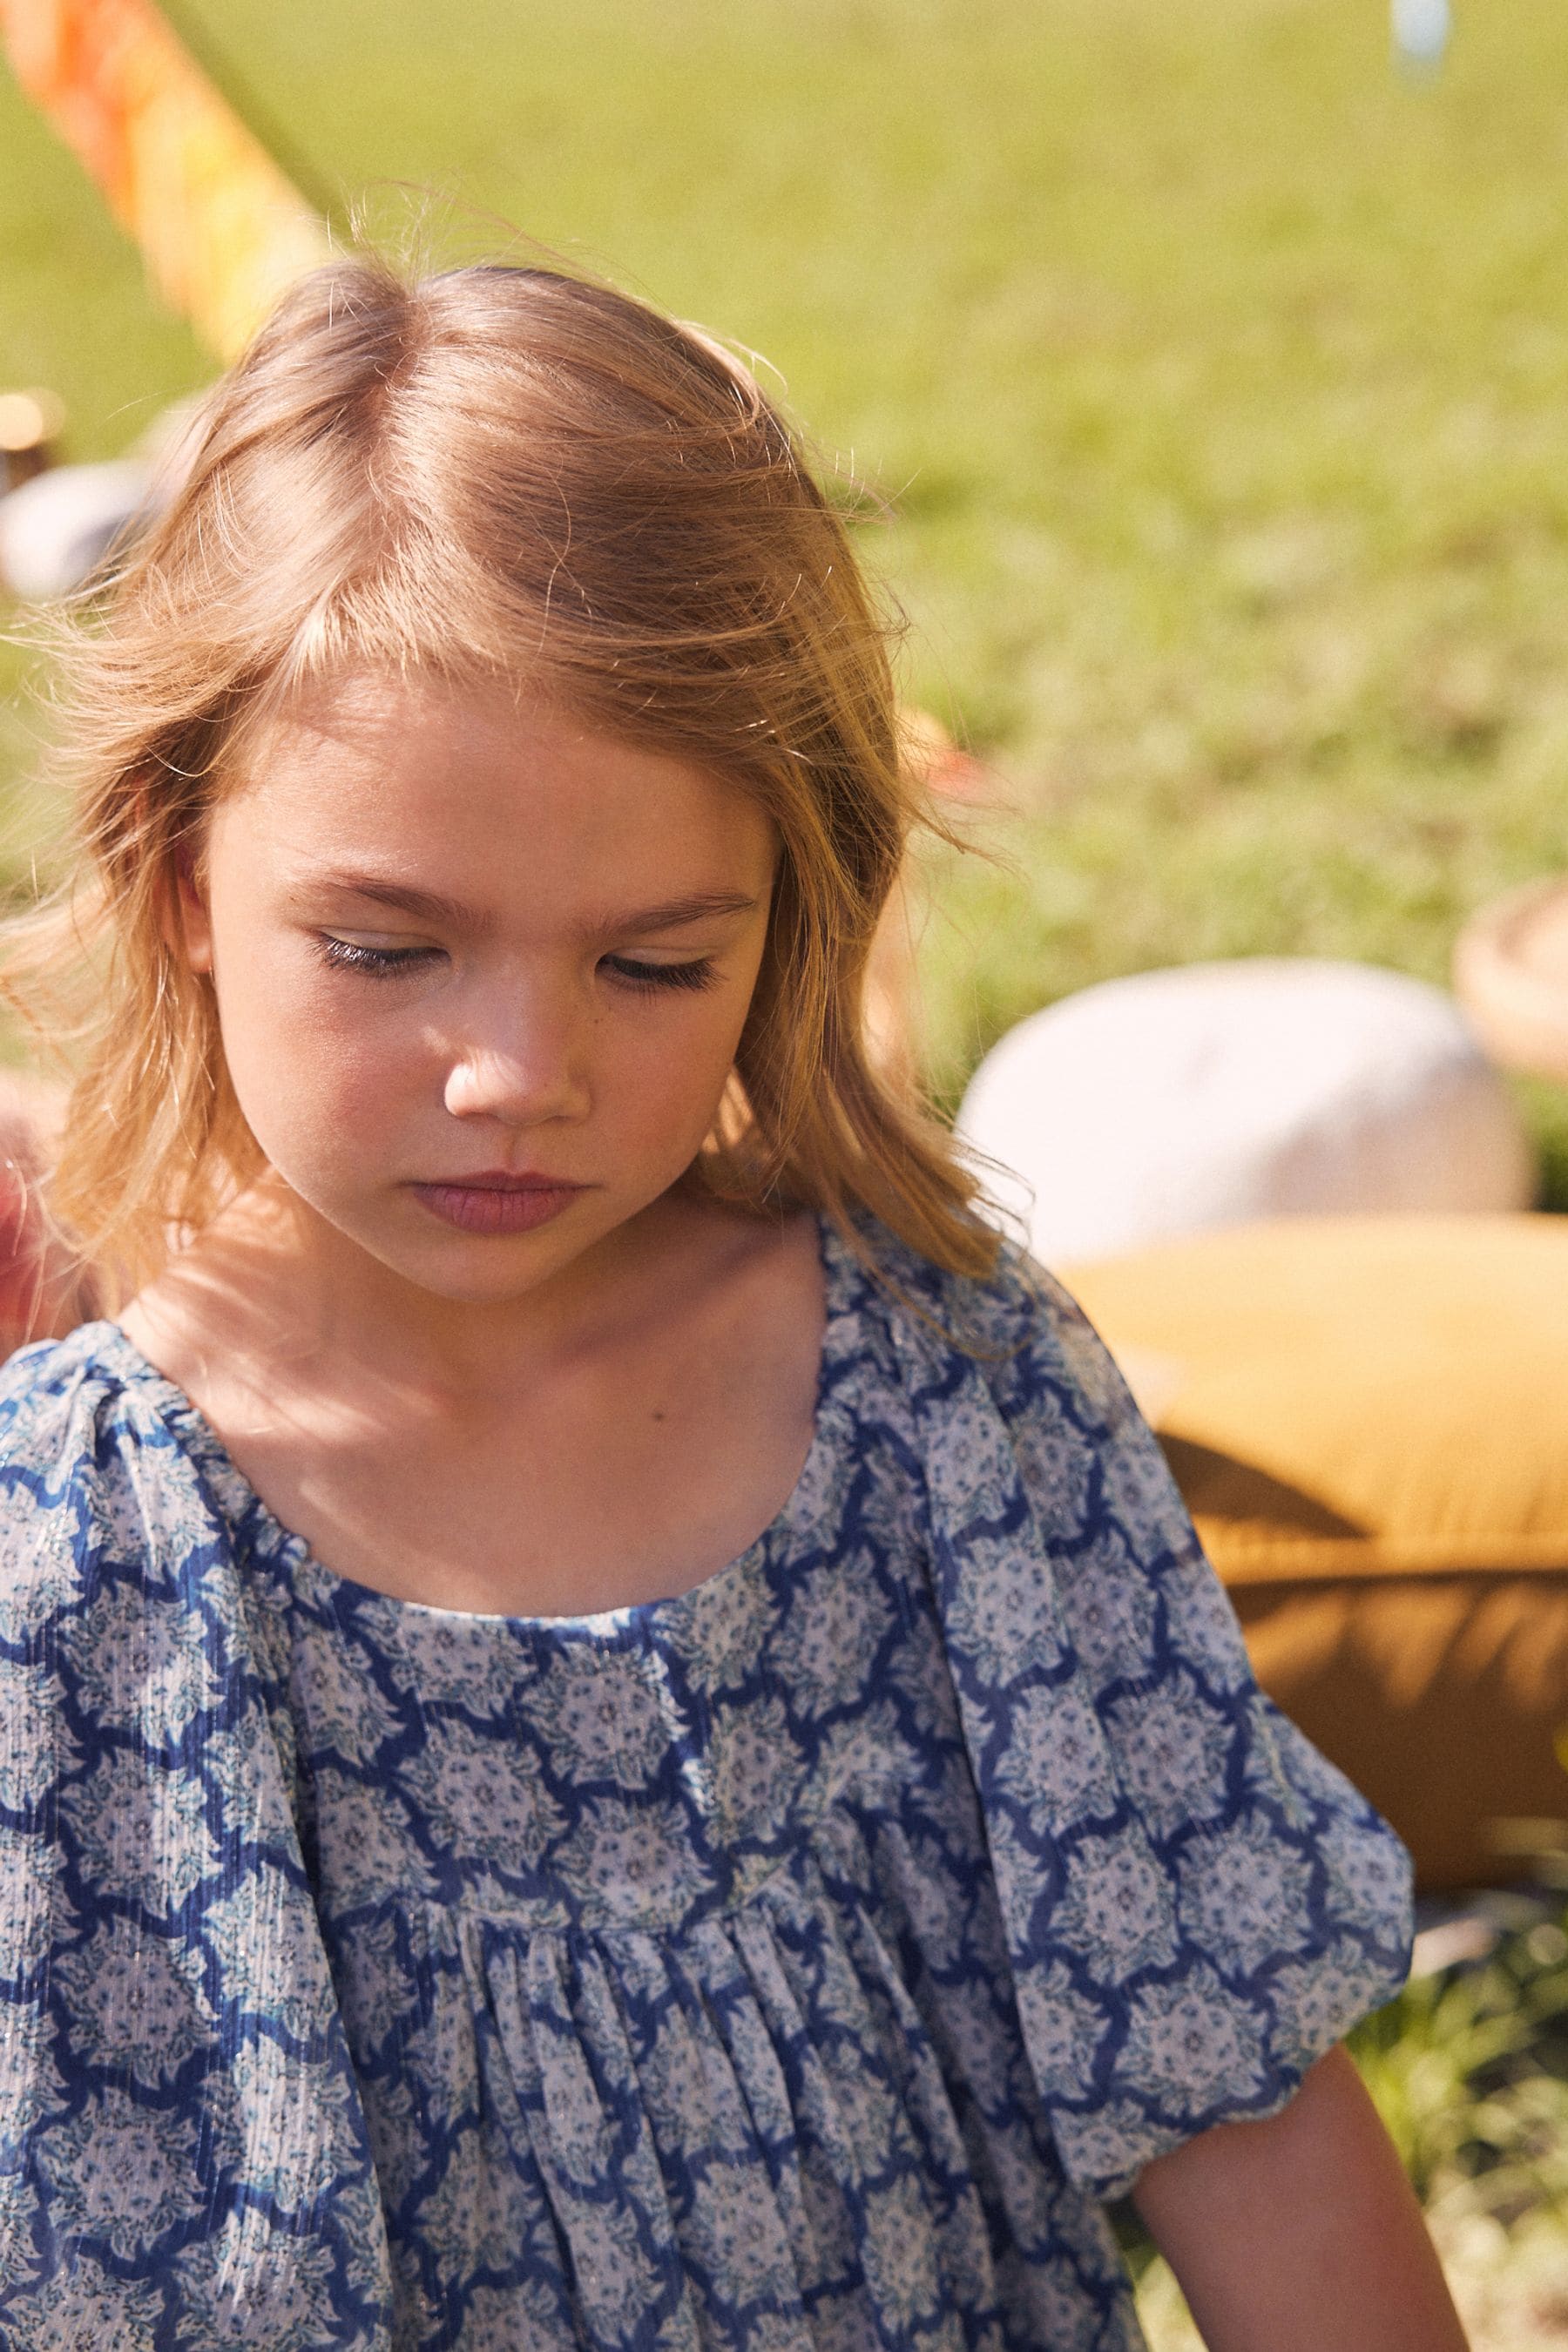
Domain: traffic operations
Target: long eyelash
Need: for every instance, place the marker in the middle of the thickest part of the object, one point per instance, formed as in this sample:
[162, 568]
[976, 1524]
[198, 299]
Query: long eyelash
[375, 963]
[699, 975]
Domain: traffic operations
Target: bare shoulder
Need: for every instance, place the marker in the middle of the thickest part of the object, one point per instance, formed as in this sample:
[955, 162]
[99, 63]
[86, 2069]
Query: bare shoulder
[743, 1268]
[216, 1323]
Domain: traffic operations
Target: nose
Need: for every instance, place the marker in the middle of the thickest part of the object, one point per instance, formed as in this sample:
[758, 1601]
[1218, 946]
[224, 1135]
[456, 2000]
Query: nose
[520, 1060]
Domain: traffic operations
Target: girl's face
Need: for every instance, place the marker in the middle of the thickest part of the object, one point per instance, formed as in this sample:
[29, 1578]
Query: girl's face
[481, 974]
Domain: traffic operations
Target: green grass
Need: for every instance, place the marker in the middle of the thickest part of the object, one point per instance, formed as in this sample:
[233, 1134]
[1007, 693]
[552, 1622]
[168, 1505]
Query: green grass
[1215, 372]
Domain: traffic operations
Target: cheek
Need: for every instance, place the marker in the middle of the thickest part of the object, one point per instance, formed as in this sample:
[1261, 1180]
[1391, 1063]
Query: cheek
[306, 1075]
[664, 1075]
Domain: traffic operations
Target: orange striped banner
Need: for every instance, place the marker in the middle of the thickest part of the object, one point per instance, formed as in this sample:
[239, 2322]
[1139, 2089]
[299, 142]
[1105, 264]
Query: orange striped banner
[221, 229]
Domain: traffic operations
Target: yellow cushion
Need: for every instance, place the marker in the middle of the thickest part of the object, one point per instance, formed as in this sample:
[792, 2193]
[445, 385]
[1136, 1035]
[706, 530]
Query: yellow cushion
[1368, 1418]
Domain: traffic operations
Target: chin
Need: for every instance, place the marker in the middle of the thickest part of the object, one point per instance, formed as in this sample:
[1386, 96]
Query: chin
[477, 1295]
[466, 1270]
[483, 1273]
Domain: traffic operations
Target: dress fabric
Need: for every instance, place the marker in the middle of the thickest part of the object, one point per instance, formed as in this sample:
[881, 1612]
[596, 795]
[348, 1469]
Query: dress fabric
[795, 1965]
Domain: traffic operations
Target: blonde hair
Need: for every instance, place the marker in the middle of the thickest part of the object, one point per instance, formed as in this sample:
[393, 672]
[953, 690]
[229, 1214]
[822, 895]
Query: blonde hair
[489, 474]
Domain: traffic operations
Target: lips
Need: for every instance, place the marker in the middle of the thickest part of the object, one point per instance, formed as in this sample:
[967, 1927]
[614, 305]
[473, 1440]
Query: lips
[497, 1201]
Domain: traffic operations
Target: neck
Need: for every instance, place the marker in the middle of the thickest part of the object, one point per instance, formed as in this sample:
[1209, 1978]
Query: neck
[271, 1282]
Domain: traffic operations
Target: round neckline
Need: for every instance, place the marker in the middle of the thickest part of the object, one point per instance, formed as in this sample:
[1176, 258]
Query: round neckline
[293, 1557]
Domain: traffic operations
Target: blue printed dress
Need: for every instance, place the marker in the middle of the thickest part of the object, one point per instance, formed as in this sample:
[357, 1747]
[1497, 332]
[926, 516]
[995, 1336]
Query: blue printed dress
[793, 1965]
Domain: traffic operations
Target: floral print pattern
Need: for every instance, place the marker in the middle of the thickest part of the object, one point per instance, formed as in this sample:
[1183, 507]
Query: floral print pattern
[795, 1965]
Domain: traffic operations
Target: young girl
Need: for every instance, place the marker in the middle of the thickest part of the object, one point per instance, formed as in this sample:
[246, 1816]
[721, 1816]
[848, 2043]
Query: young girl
[614, 1735]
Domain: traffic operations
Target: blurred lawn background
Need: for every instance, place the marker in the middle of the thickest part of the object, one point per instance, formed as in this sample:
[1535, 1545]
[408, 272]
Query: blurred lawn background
[1213, 376]
[1213, 371]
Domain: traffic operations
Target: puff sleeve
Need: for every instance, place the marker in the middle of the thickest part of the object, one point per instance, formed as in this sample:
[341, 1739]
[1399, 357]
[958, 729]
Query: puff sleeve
[183, 2160]
[1196, 1903]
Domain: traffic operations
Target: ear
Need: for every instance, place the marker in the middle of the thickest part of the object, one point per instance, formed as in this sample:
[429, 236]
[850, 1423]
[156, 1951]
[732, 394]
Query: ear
[187, 924]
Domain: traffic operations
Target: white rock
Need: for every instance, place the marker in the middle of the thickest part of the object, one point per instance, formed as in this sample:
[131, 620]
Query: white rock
[1177, 1102]
[56, 528]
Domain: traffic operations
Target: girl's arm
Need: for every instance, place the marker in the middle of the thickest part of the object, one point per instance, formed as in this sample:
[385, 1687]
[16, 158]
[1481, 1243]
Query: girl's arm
[1301, 2233]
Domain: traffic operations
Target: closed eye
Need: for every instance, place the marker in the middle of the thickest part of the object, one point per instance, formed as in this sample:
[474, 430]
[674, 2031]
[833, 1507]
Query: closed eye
[384, 964]
[633, 974]
[376, 963]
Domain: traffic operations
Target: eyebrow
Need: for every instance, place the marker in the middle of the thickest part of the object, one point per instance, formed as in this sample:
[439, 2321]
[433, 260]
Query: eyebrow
[427, 906]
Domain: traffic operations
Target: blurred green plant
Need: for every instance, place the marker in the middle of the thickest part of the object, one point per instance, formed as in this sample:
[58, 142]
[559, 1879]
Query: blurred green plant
[1468, 2069]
